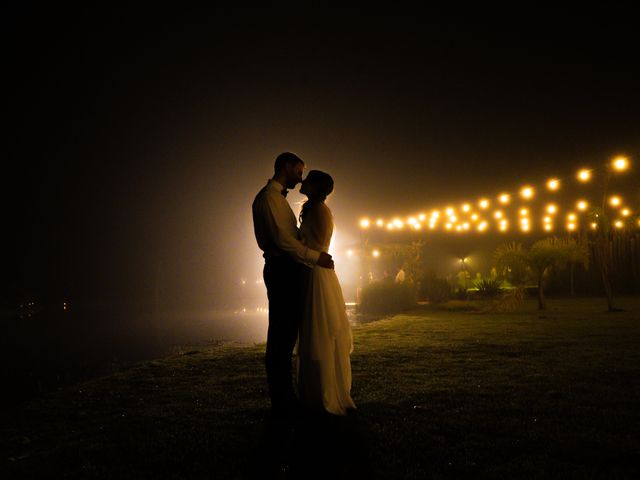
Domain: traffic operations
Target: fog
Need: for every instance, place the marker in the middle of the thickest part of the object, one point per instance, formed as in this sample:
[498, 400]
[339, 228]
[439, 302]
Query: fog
[139, 139]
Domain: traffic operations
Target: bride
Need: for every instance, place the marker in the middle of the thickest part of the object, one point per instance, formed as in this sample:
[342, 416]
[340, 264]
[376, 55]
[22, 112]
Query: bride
[325, 342]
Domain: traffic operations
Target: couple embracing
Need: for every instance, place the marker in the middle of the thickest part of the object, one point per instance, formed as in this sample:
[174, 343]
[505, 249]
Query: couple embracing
[306, 305]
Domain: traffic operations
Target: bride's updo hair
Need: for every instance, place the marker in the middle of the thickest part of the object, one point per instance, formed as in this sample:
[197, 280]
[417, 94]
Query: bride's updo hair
[323, 186]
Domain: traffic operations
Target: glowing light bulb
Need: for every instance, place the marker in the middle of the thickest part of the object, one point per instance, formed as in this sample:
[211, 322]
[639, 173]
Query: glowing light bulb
[571, 226]
[422, 217]
[380, 222]
[524, 212]
[584, 175]
[504, 198]
[466, 207]
[498, 214]
[620, 164]
[364, 223]
[594, 225]
[527, 192]
[618, 224]
[571, 217]
[625, 212]
[548, 227]
[483, 203]
[474, 217]
[582, 205]
[615, 201]
[546, 219]
[551, 208]
[349, 253]
[553, 184]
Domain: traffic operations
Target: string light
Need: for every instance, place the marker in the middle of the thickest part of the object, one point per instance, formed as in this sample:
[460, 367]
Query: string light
[584, 175]
[527, 192]
[620, 164]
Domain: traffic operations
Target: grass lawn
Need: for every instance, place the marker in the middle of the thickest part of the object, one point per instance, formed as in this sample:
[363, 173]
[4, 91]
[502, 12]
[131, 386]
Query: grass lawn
[440, 394]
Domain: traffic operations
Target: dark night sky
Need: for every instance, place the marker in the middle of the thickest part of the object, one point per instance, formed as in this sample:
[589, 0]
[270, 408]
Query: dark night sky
[140, 137]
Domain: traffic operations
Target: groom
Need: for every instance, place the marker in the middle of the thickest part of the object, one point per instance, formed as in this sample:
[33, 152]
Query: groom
[285, 276]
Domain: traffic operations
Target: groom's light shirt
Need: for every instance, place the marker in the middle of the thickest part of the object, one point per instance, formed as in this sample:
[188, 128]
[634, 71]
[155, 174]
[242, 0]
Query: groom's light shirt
[275, 226]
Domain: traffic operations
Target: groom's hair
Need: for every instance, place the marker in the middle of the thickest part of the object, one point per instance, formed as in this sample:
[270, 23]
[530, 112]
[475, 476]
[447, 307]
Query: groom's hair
[286, 158]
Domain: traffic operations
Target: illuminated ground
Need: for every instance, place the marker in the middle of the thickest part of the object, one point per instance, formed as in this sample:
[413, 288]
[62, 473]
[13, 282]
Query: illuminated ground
[441, 394]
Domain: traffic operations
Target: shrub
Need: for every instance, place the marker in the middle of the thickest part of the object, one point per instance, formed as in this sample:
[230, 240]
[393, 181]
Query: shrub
[435, 290]
[509, 301]
[488, 287]
[461, 294]
[384, 298]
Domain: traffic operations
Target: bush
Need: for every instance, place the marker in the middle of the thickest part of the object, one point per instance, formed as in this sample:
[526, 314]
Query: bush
[435, 290]
[461, 294]
[509, 301]
[488, 287]
[384, 298]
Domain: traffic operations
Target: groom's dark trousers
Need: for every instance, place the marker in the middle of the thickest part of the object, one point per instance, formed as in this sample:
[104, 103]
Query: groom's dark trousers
[286, 281]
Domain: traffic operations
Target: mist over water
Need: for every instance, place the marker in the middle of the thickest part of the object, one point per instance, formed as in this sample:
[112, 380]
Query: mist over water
[197, 328]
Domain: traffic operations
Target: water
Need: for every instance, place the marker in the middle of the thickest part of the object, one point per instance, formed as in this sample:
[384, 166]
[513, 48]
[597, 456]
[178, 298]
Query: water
[198, 328]
[52, 349]
[243, 325]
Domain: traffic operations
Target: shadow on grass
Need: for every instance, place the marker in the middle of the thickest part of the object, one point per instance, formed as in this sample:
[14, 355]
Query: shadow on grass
[318, 446]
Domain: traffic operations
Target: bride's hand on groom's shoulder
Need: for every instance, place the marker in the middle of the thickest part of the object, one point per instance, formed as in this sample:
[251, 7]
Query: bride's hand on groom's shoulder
[325, 260]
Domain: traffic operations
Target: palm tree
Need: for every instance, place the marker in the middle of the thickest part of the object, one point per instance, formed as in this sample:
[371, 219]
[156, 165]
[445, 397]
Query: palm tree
[601, 250]
[510, 261]
[576, 252]
[537, 261]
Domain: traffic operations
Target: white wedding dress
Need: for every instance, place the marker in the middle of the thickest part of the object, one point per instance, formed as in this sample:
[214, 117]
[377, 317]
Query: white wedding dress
[325, 342]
